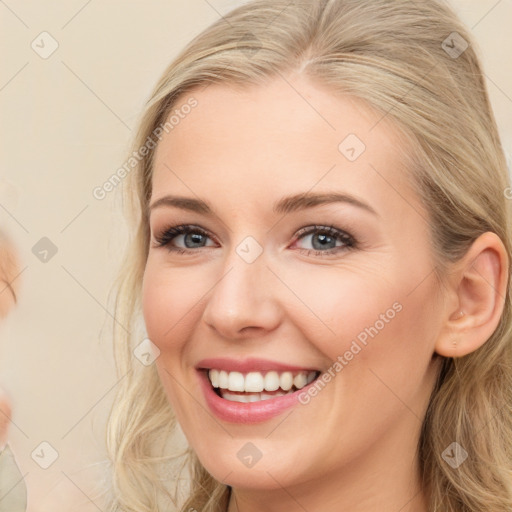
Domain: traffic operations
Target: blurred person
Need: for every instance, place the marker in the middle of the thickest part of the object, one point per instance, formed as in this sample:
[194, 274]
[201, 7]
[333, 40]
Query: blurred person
[13, 493]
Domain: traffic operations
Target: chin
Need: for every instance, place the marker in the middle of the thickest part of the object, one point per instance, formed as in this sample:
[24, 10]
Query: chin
[232, 470]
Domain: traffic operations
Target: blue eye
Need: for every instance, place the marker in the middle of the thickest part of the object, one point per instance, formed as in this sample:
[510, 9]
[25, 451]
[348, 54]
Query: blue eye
[322, 237]
[192, 236]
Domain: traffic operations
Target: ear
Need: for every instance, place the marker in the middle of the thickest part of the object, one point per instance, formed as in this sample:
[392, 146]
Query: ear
[479, 285]
[9, 272]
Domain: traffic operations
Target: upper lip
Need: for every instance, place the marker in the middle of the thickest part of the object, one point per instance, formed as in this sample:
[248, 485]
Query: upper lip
[248, 365]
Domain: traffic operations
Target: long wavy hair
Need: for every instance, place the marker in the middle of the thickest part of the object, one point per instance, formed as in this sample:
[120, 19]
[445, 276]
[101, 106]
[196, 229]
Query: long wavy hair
[416, 64]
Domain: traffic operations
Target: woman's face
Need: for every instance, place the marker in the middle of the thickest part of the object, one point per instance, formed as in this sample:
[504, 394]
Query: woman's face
[270, 286]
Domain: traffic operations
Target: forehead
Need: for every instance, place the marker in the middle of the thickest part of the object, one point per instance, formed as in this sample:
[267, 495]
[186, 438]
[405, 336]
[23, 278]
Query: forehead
[287, 136]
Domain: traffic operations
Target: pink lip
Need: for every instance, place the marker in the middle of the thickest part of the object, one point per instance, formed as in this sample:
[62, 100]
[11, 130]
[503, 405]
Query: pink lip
[247, 365]
[247, 413]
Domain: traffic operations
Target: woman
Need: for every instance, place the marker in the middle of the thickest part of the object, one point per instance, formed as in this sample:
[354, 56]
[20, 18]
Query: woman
[321, 258]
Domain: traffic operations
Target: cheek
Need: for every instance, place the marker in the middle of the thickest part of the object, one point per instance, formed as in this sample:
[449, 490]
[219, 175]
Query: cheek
[170, 308]
[169, 302]
[367, 320]
[336, 306]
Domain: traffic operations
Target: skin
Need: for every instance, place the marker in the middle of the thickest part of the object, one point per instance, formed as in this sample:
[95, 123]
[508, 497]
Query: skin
[353, 446]
[9, 287]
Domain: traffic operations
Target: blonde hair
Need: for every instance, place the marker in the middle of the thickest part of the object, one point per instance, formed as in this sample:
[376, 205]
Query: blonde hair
[404, 60]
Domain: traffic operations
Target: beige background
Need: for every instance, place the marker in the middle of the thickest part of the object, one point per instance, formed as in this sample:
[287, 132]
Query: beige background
[66, 123]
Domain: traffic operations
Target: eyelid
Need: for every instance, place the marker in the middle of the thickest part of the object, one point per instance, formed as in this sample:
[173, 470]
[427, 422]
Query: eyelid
[167, 235]
[349, 241]
[180, 229]
[323, 228]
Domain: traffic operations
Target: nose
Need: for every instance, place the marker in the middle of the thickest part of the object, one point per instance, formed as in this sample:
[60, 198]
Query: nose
[244, 301]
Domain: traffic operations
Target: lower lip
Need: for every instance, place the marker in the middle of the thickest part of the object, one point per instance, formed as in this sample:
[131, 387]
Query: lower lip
[251, 412]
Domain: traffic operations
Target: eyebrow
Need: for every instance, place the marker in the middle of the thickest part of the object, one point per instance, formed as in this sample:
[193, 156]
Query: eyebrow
[283, 206]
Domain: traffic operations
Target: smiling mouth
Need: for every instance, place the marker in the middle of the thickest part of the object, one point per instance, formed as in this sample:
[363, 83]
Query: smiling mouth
[257, 386]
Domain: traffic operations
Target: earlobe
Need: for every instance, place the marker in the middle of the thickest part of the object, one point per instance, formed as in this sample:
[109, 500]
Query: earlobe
[480, 283]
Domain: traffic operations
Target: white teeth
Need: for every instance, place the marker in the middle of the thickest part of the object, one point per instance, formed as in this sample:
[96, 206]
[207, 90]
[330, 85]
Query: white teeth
[236, 381]
[286, 380]
[223, 379]
[214, 378]
[300, 380]
[253, 397]
[256, 382]
[234, 398]
[272, 381]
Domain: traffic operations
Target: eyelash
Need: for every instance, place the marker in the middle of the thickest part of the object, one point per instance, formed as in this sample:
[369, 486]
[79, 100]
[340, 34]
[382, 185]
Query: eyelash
[172, 232]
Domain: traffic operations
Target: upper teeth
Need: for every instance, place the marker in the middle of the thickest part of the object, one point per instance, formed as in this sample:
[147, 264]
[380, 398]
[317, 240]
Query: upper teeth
[256, 382]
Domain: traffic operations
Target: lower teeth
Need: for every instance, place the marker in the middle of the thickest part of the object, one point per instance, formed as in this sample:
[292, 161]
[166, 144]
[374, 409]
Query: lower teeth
[251, 397]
